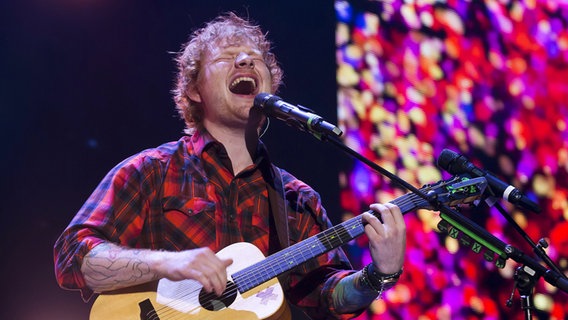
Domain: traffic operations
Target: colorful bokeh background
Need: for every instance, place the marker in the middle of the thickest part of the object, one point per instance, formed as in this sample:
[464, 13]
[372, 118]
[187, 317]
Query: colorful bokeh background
[487, 79]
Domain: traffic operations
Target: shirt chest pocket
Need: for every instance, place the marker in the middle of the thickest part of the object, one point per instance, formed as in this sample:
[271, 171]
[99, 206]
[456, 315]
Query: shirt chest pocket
[189, 222]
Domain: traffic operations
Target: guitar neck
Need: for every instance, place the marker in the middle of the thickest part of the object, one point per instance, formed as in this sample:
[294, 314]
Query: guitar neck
[312, 247]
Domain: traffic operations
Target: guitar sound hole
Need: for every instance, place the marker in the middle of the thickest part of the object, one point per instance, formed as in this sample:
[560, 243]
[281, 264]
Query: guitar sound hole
[212, 302]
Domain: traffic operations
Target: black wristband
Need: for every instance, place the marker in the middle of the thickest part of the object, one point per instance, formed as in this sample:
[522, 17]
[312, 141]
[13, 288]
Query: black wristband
[378, 281]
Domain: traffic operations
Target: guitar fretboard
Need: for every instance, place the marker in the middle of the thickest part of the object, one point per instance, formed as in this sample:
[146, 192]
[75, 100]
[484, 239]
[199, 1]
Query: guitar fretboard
[314, 246]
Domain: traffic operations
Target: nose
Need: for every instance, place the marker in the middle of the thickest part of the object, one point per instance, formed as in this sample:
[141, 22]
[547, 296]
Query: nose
[243, 60]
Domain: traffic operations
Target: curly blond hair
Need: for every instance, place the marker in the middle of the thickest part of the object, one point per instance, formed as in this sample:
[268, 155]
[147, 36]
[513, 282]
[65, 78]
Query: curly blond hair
[229, 29]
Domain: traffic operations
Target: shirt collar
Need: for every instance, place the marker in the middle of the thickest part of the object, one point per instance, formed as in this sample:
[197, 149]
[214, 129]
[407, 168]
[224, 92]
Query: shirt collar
[202, 139]
[199, 140]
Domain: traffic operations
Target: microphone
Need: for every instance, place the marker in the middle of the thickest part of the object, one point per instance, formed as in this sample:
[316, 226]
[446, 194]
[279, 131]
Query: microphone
[296, 116]
[455, 163]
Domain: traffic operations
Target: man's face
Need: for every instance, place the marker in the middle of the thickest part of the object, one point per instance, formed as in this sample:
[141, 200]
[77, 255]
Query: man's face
[230, 77]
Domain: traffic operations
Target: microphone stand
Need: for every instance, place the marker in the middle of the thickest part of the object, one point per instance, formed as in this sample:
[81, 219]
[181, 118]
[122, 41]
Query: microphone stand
[525, 280]
[525, 277]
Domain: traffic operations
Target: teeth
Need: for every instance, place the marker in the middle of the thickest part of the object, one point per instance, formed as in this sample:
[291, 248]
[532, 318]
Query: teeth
[240, 79]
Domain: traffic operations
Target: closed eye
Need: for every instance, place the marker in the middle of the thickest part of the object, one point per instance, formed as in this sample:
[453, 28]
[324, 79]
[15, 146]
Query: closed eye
[224, 59]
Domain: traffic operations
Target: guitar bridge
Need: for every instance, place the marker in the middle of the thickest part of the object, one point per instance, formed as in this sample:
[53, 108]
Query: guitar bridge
[147, 311]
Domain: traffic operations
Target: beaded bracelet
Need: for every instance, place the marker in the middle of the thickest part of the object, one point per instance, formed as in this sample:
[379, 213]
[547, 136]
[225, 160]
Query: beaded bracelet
[377, 281]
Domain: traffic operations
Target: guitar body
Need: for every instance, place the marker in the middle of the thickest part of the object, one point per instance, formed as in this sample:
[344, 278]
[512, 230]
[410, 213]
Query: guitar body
[186, 299]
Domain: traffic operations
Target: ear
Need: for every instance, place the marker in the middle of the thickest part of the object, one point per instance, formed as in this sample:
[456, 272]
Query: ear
[193, 93]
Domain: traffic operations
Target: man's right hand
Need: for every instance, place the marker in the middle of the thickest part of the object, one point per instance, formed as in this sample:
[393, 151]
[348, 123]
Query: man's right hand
[200, 264]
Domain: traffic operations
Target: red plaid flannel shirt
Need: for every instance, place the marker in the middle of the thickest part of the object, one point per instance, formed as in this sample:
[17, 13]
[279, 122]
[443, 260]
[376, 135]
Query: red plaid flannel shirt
[183, 195]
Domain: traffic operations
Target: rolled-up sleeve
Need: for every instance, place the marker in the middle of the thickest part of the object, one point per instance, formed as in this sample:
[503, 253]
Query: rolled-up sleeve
[113, 213]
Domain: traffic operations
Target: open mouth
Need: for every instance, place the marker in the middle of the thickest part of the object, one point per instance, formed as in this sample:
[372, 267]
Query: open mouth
[243, 85]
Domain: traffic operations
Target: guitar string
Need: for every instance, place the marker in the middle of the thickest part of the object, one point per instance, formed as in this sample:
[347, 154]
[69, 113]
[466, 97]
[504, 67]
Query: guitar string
[170, 308]
[246, 278]
[310, 245]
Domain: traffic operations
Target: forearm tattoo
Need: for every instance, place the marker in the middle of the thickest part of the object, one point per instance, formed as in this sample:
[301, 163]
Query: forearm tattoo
[108, 267]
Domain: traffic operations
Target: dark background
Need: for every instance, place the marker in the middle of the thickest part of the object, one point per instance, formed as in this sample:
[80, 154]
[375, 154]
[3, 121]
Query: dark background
[85, 84]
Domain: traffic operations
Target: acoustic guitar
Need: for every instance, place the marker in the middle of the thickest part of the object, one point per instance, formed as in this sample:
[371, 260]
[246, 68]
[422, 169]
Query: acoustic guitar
[253, 291]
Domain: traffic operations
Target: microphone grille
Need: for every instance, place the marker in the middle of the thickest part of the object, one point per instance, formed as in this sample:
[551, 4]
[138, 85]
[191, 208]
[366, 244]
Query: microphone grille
[261, 99]
[445, 160]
